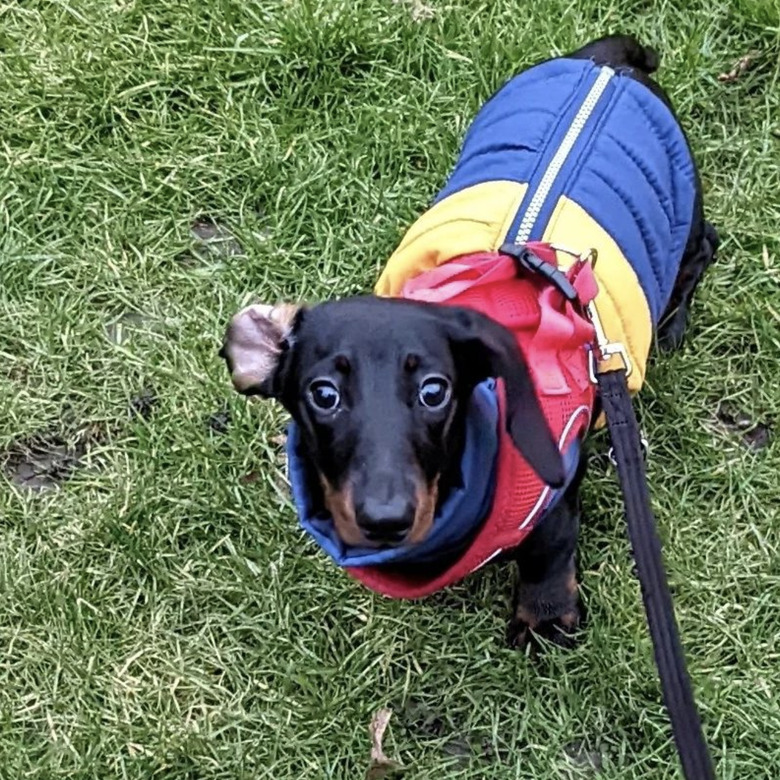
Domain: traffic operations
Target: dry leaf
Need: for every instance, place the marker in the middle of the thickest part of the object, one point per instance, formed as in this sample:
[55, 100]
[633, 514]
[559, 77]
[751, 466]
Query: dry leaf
[420, 11]
[381, 766]
[740, 66]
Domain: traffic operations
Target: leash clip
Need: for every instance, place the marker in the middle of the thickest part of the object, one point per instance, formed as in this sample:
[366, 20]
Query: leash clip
[528, 257]
[605, 348]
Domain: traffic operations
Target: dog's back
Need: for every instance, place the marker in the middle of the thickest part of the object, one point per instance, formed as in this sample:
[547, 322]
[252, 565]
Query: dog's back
[581, 154]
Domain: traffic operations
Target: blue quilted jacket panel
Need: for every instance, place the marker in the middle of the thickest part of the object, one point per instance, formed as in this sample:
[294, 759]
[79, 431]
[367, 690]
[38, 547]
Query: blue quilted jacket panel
[629, 167]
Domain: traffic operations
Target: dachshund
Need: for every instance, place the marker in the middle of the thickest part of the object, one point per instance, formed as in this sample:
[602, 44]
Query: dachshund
[418, 410]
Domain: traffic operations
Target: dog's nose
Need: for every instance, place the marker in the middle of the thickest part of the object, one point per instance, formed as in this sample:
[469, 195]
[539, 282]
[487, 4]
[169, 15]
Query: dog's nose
[386, 522]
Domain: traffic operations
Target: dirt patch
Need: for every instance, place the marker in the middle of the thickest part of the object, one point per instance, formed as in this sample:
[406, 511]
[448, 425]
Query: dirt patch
[143, 404]
[581, 757]
[213, 240]
[753, 434]
[218, 422]
[119, 329]
[42, 463]
[457, 743]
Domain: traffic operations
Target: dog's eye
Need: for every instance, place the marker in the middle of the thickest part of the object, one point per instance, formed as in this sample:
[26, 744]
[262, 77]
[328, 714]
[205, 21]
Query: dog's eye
[324, 395]
[434, 392]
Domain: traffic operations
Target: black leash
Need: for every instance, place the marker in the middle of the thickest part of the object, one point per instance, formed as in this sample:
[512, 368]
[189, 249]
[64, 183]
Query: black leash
[642, 532]
[627, 448]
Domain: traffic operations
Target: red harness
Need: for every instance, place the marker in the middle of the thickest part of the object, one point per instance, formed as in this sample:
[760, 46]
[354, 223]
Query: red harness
[554, 337]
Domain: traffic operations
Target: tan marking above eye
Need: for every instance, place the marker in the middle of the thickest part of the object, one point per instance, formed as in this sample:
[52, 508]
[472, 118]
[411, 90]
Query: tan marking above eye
[412, 362]
[342, 364]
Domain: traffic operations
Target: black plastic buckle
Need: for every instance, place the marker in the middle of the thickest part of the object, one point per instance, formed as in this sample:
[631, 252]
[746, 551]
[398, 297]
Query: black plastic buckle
[528, 261]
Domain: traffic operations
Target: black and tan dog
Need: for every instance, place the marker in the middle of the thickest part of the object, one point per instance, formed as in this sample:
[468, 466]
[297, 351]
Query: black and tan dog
[439, 423]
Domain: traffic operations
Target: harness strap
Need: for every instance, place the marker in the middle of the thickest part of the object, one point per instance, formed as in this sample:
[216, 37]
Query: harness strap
[643, 534]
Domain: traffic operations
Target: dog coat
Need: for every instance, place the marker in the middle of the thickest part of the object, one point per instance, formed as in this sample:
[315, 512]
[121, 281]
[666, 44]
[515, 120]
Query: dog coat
[567, 153]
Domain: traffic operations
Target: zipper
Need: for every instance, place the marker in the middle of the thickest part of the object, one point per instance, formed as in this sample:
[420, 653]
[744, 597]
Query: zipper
[562, 153]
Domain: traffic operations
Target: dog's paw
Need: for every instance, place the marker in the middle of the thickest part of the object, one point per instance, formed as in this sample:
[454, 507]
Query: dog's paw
[561, 631]
[672, 334]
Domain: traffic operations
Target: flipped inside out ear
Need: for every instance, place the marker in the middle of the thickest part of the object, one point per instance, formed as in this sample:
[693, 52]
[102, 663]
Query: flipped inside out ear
[255, 345]
[487, 349]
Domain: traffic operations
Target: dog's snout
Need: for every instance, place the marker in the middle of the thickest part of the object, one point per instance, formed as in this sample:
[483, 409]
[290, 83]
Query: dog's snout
[386, 521]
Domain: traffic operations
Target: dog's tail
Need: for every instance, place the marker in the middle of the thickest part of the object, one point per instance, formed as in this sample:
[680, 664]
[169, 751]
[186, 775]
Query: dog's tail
[644, 58]
[620, 51]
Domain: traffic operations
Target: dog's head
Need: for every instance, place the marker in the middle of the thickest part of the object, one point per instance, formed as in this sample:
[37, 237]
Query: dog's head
[379, 388]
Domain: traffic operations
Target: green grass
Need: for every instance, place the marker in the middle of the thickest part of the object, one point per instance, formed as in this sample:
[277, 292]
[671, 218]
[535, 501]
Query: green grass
[160, 614]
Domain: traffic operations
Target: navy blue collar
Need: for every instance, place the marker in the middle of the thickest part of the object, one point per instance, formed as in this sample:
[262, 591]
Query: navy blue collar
[456, 519]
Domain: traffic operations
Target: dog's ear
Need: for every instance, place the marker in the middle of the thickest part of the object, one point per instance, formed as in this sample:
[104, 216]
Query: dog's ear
[256, 346]
[486, 349]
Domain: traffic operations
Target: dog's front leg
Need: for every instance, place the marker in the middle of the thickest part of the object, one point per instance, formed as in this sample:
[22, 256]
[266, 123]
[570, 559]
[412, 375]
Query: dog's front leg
[547, 603]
